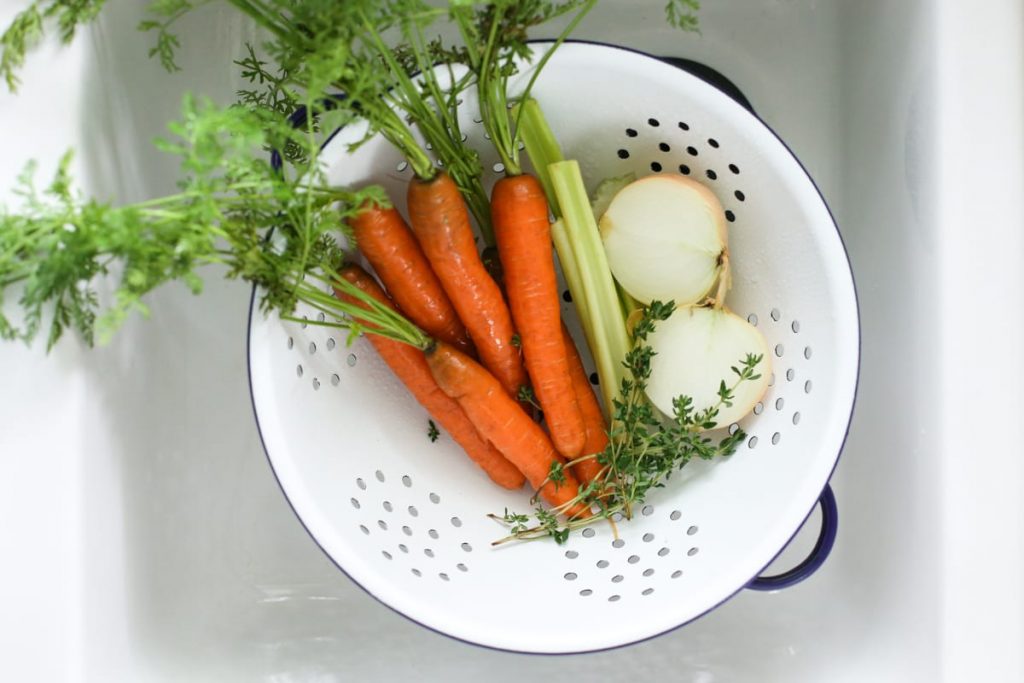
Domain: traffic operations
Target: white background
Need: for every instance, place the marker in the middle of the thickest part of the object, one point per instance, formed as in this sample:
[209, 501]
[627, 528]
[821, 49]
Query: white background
[143, 537]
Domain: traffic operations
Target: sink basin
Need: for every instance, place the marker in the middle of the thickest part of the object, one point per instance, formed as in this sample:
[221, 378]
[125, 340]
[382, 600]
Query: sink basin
[144, 537]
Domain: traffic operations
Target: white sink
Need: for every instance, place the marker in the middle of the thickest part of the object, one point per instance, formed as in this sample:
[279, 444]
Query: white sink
[143, 536]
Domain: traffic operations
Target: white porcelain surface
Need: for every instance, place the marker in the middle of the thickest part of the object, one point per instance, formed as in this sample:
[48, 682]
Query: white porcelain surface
[143, 537]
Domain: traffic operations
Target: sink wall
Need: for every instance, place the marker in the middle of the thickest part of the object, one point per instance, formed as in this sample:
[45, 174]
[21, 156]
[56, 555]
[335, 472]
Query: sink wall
[145, 538]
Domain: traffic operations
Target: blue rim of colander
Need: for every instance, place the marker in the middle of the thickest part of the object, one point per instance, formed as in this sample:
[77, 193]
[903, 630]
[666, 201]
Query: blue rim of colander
[829, 522]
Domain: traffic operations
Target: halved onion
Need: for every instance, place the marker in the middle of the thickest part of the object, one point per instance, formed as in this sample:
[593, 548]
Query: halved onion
[665, 237]
[695, 350]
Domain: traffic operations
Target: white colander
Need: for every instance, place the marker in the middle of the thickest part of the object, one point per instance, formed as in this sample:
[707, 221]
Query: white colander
[407, 519]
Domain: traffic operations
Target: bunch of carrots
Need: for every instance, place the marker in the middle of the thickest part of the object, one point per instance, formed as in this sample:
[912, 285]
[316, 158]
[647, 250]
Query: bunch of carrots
[496, 337]
[484, 350]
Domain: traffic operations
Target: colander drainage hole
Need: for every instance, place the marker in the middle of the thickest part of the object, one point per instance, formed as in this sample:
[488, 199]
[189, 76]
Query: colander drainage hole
[647, 510]
[403, 547]
[406, 481]
[779, 350]
[771, 380]
[355, 503]
[649, 571]
[623, 153]
[362, 527]
[588, 533]
[291, 343]
[807, 387]
[741, 197]
[379, 475]
[571, 554]
[335, 380]
[795, 326]
[416, 572]
[776, 314]
[618, 543]
[361, 484]
[758, 408]
[312, 348]
[684, 169]
[647, 591]
[586, 592]
[387, 506]
[316, 384]
[407, 531]
[443, 576]
[663, 552]
[434, 498]
[713, 142]
[692, 551]
[729, 215]
[734, 168]
[601, 564]
[428, 552]
[456, 522]
[413, 511]
[631, 133]
[691, 150]
[691, 531]
[790, 374]
[684, 126]
[676, 514]
[321, 317]
[298, 370]
[594, 379]
[710, 173]
[633, 559]
[386, 554]
[752, 443]
[663, 146]
[467, 547]
[796, 418]
[656, 167]
[617, 578]
[462, 568]
[402, 165]
[807, 352]
[733, 428]
[351, 360]
[432, 533]
[654, 123]
[567, 296]
[498, 167]
[779, 402]
[776, 437]
[569, 576]
[677, 573]
[613, 598]
[752, 319]
[648, 537]
[382, 524]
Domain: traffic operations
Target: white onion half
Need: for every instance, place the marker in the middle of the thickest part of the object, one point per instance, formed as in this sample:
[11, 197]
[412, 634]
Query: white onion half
[665, 238]
[695, 350]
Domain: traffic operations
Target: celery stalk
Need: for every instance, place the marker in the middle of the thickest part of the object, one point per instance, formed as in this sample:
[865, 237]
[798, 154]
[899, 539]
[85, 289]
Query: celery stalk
[541, 146]
[571, 271]
[610, 342]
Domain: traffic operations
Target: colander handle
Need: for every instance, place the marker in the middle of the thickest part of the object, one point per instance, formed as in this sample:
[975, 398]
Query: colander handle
[820, 552]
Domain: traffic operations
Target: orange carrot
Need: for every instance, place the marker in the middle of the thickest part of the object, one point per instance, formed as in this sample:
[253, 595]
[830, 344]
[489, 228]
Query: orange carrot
[597, 435]
[441, 223]
[386, 241]
[519, 214]
[410, 366]
[502, 421]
